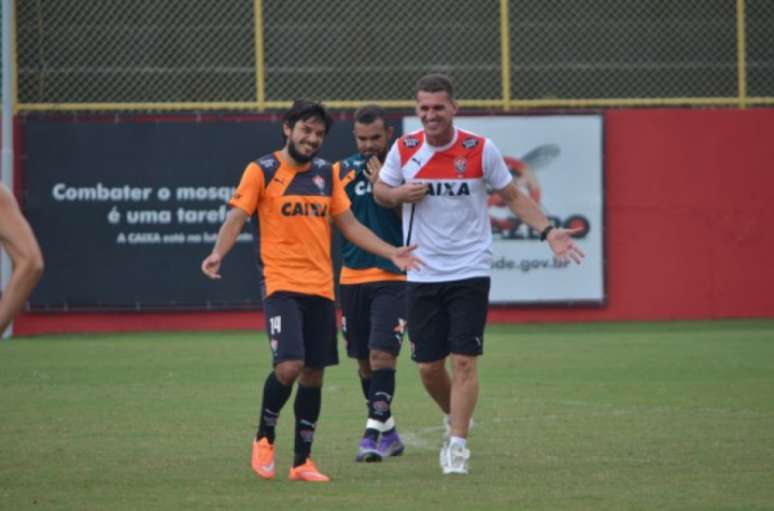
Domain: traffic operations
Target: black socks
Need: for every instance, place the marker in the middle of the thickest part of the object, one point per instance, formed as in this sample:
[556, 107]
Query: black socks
[380, 398]
[307, 409]
[275, 395]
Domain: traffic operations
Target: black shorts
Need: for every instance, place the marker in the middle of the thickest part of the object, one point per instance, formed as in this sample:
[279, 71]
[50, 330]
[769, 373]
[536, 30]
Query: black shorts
[301, 327]
[447, 317]
[373, 317]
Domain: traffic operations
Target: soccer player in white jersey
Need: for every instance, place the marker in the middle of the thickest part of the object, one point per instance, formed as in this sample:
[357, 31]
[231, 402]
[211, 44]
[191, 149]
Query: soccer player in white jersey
[440, 174]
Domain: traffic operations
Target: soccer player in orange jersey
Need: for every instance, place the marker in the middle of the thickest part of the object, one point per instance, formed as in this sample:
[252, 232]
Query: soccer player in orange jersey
[19, 243]
[292, 197]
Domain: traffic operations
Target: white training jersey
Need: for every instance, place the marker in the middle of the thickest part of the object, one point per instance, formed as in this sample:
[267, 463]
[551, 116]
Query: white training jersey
[450, 225]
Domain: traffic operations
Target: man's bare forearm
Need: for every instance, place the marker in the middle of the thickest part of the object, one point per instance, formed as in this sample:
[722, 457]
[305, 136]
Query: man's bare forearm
[363, 237]
[385, 195]
[229, 232]
[524, 207]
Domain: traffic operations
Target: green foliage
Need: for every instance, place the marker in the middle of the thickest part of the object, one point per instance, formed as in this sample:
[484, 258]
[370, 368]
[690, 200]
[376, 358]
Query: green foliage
[594, 416]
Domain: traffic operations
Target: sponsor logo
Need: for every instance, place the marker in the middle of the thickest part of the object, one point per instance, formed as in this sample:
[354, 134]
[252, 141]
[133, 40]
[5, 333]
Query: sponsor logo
[526, 171]
[411, 142]
[267, 162]
[470, 143]
[274, 343]
[447, 189]
[304, 209]
[363, 188]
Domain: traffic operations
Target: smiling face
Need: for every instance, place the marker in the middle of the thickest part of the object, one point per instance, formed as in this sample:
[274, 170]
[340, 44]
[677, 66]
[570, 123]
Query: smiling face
[372, 139]
[304, 139]
[436, 111]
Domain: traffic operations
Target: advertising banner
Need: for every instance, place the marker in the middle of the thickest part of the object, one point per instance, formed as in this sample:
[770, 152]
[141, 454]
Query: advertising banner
[558, 160]
[126, 212]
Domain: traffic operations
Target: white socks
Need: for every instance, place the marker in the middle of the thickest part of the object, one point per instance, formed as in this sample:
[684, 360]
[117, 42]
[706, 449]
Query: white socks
[380, 426]
[457, 440]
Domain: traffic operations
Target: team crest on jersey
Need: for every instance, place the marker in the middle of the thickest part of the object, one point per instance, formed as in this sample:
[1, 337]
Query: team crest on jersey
[319, 182]
[411, 141]
[470, 143]
[274, 343]
[460, 164]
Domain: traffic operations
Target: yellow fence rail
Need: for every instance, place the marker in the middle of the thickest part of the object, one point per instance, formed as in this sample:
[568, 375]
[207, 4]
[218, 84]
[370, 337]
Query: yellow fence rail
[195, 55]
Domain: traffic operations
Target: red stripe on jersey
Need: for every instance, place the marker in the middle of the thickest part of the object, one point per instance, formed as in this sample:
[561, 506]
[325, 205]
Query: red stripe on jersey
[409, 145]
[463, 160]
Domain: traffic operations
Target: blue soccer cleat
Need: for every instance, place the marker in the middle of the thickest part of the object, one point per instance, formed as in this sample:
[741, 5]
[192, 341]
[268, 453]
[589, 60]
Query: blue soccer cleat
[390, 445]
[367, 451]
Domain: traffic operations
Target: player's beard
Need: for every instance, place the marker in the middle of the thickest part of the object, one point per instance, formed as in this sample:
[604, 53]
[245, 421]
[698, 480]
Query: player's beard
[297, 156]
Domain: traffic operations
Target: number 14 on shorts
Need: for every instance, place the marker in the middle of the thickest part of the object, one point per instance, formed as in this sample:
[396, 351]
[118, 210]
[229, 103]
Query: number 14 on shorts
[275, 325]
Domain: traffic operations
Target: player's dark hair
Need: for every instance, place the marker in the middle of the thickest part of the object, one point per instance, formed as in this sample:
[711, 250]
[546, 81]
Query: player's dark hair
[435, 82]
[368, 114]
[302, 110]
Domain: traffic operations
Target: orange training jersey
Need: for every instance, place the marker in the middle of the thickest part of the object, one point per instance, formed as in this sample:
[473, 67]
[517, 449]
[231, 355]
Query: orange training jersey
[294, 206]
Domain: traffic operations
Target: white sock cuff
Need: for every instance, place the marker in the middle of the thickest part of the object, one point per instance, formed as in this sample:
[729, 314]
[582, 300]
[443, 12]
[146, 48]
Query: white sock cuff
[379, 425]
[457, 440]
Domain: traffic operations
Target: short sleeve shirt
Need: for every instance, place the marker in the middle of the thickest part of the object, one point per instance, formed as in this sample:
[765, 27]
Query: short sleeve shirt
[450, 225]
[292, 207]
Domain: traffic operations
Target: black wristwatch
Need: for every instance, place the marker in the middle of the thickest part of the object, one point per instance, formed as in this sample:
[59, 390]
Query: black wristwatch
[544, 232]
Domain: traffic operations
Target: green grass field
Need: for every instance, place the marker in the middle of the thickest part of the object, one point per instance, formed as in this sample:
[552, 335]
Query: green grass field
[594, 417]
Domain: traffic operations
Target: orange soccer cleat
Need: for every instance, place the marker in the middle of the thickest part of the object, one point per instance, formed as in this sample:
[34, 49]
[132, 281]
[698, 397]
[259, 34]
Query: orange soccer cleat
[263, 458]
[308, 472]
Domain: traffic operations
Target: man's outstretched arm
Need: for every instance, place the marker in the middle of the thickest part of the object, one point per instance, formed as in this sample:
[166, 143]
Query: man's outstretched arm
[227, 236]
[560, 240]
[364, 238]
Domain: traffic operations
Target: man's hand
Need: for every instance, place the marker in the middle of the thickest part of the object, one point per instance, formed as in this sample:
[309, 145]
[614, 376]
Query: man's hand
[373, 166]
[211, 266]
[564, 248]
[412, 192]
[390, 197]
[405, 260]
